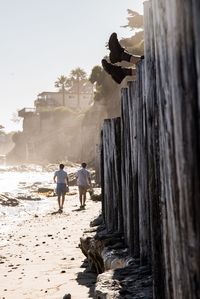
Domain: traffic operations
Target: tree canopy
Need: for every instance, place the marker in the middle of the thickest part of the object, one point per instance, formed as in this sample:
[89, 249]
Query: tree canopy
[75, 82]
[134, 44]
[135, 20]
[78, 73]
[61, 82]
[104, 85]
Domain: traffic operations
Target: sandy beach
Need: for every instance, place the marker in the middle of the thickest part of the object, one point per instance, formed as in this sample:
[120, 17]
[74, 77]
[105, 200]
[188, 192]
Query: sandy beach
[40, 257]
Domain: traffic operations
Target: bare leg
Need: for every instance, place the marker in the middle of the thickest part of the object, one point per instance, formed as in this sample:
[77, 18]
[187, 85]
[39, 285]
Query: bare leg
[133, 72]
[62, 202]
[84, 198]
[129, 71]
[117, 72]
[80, 198]
[59, 201]
[135, 59]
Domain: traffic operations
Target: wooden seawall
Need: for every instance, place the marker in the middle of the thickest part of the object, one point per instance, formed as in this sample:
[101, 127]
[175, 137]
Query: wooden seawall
[150, 156]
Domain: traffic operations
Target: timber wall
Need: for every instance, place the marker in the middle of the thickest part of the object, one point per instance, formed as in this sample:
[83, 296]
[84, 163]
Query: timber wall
[150, 156]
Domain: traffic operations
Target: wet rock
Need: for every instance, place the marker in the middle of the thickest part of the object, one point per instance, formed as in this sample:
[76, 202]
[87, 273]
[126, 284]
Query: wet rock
[95, 194]
[45, 190]
[96, 197]
[52, 167]
[6, 199]
[92, 249]
[67, 296]
[125, 283]
[28, 197]
[97, 221]
[72, 179]
[106, 287]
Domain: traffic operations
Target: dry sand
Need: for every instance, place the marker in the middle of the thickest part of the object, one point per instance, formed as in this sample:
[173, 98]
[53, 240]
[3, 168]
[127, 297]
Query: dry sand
[41, 258]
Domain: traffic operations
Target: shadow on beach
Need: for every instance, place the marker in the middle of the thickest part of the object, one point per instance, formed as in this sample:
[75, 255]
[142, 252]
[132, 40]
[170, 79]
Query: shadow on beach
[79, 209]
[87, 278]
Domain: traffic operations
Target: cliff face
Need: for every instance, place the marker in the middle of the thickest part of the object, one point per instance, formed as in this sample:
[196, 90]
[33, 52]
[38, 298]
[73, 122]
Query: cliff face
[6, 143]
[55, 134]
[92, 123]
[61, 134]
[47, 137]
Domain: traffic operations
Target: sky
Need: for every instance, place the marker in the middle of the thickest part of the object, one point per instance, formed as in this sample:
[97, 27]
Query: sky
[43, 39]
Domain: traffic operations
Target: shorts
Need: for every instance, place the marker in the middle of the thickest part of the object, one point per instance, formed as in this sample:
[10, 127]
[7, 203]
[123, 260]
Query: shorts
[61, 189]
[82, 189]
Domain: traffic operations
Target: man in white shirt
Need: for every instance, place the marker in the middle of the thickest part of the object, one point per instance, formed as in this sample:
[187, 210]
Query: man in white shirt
[83, 182]
[61, 178]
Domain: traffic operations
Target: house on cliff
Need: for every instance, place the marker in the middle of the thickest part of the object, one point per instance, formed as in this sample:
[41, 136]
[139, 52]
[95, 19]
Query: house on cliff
[79, 99]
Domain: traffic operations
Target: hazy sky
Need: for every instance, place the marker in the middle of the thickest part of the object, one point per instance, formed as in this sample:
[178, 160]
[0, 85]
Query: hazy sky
[43, 39]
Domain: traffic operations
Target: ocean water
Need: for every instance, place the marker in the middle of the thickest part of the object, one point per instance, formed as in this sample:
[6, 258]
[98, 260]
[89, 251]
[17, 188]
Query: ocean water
[12, 181]
[20, 182]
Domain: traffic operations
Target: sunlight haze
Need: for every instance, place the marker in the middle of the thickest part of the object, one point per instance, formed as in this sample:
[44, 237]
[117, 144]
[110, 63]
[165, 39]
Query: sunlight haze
[43, 39]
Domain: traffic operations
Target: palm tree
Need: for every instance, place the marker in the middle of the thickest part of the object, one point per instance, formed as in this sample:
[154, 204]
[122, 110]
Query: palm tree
[76, 79]
[61, 83]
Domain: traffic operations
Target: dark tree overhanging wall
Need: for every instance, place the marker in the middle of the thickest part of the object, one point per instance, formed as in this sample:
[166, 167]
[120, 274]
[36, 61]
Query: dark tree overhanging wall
[156, 158]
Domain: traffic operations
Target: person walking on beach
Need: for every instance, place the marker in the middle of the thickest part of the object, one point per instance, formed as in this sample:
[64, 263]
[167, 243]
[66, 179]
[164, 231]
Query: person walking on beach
[83, 182]
[62, 181]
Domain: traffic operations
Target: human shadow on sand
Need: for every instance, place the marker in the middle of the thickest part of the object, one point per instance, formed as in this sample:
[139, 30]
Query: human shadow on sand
[58, 212]
[79, 209]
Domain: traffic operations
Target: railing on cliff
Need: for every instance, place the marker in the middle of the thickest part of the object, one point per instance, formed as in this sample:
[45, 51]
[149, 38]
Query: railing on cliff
[151, 155]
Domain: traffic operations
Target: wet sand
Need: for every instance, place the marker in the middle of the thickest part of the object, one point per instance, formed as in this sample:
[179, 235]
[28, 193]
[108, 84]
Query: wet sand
[41, 258]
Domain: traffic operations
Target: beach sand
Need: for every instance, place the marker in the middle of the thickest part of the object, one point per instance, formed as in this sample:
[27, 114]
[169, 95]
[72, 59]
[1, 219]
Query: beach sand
[41, 257]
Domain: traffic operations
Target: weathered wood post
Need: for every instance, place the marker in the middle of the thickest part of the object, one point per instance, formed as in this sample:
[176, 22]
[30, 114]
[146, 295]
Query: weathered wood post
[177, 89]
[108, 190]
[116, 129]
[125, 168]
[111, 176]
[143, 196]
[102, 175]
[152, 118]
[133, 116]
